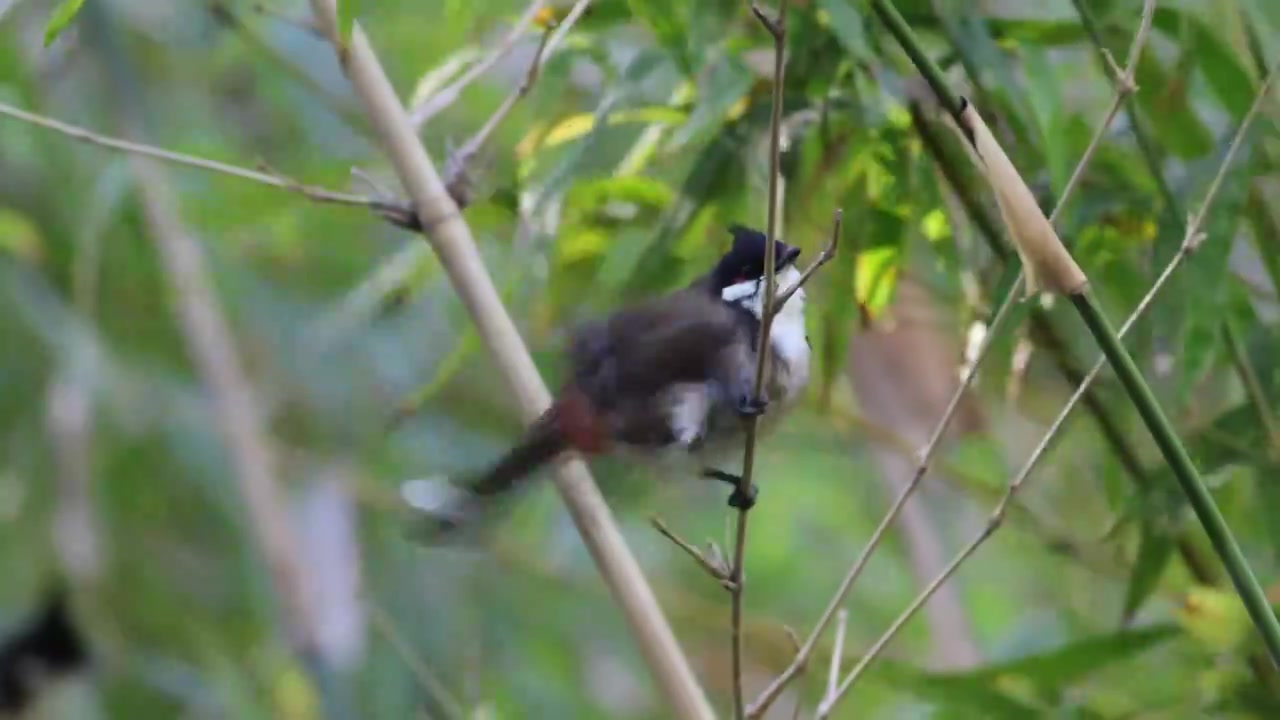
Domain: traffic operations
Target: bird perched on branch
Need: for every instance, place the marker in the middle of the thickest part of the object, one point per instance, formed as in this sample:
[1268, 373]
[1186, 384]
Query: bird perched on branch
[670, 378]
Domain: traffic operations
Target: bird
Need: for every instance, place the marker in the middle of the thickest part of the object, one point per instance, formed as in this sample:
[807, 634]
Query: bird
[44, 648]
[668, 381]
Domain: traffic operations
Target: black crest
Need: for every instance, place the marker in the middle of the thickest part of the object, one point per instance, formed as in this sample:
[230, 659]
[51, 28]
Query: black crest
[745, 259]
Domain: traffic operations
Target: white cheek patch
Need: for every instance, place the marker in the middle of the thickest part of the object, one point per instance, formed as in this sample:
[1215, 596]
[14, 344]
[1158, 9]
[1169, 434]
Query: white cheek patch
[751, 291]
[738, 291]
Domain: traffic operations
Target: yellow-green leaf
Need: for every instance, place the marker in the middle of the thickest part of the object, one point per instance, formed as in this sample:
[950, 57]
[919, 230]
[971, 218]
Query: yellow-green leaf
[61, 18]
[20, 236]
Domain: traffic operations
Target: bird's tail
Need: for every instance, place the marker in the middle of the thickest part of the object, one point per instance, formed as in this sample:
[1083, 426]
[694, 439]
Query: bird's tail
[441, 505]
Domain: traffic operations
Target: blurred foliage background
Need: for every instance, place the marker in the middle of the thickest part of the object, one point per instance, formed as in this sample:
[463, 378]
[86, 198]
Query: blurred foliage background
[645, 136]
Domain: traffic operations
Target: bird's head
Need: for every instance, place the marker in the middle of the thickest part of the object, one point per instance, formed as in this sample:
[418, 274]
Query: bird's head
[739, 274]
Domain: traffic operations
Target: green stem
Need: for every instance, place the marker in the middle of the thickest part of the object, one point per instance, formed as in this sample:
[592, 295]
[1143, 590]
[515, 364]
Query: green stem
[1046, 334]
[1140, 394]
[889, 15]
[1215, 526]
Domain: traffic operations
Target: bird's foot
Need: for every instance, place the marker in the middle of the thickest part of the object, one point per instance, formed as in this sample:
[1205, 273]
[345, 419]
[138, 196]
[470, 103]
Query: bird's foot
[741, 498]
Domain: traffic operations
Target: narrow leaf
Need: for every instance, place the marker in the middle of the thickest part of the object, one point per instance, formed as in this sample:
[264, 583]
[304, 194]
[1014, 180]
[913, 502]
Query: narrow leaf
[61, 18]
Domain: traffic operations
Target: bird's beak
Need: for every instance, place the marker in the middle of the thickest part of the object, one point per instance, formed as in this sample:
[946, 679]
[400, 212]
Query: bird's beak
[789, 254]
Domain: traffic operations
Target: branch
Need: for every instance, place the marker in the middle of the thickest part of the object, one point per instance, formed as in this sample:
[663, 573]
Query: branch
[1191, 241]
[432, 105]
[903, 34]
[837, 652]
[453, 243]
[714, 567]
[432, 685]
[823, 258]
[395, 212]
[428, 108]
[457, 179]
[776, 28]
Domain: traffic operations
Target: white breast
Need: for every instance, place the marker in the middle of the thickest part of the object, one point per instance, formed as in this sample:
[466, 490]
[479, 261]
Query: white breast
[788, 345]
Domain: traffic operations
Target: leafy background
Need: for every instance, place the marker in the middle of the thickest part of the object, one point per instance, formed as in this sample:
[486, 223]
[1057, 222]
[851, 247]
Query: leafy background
[645, 135]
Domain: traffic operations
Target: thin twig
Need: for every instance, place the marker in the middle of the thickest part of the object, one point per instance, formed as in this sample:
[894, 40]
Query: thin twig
[454, 243]
[823, 258]
[432, 685]
[776, 28]
[428, 108]
[1190, 243]
[714, 567]
[311, 192]
[1124, 87]
[431, 106]
[304, 24]
[457, 178]
[837, 652]
[771, 693]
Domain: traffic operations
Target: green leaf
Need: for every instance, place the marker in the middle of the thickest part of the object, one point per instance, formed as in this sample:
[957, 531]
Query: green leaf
[1045, 94]
[846, 24]
[19, 236]
[987, 688]
[1163, 100]
[667, 23]
[727, 84]
[1269, 505]
[347, 10]
[1155, 549]
[61, 18]
[1221, 66]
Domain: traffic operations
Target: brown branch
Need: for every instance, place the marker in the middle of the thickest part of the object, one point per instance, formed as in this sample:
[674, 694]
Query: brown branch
[454, 243]
[1190, 243]
[776, 28]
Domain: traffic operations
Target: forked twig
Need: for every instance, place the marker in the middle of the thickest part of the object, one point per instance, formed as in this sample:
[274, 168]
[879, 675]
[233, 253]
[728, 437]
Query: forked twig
[714, 567]
[823, 258]
[456, 177]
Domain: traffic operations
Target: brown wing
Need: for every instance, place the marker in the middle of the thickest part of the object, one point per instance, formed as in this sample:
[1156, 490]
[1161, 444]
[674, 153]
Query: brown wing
[637, 351]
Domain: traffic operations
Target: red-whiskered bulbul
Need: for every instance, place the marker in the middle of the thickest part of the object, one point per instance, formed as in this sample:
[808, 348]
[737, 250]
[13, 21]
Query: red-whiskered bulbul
[667, 378]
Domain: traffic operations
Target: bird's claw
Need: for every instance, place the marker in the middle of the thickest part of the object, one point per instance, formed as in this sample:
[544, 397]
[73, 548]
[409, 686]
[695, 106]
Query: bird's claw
[739, 498]
[743, 499]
